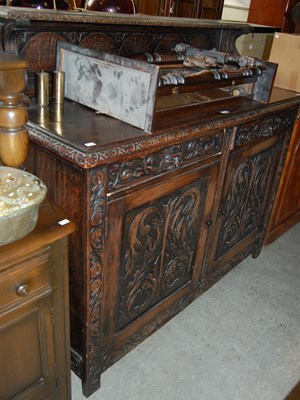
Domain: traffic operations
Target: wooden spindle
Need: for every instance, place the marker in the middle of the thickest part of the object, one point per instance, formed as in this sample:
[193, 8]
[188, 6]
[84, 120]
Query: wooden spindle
[13, 114]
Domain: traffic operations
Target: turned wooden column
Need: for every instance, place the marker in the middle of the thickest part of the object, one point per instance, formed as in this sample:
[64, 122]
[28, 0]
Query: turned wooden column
[13, 114]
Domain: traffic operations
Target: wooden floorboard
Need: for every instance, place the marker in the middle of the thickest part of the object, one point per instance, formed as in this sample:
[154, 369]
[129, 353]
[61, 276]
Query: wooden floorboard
[295, 393]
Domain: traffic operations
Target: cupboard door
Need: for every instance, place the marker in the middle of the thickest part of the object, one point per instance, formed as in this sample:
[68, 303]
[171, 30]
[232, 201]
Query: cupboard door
[27, 352]
[244, 199]
[162, 229]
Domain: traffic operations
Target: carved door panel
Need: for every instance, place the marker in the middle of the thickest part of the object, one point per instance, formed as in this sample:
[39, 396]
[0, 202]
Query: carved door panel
[244, 199]
[163, 234]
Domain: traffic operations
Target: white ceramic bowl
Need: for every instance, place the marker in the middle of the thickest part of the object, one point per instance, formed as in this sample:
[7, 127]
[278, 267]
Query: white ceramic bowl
[21, 194]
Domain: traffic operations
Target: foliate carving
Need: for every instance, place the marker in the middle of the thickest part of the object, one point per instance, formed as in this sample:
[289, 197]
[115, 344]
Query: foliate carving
[214, 277]
[121, 349]
[76, 361]
[244, 202]
[95, 287]
[279, 123]
[158, 254]
[165, 160]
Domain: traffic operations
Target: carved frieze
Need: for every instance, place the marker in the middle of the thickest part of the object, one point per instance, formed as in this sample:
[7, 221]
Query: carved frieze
[279, 123]
[39, 48]
[165, 160]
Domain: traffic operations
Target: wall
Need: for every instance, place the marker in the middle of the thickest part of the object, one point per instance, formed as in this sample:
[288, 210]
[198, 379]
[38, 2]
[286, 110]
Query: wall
[236, 10]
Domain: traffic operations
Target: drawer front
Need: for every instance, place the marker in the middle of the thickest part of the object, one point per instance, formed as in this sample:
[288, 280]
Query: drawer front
[25, 280]
[263, 128]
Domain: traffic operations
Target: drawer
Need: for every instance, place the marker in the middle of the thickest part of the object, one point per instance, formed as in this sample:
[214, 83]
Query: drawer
[281, 123]
[25, 280]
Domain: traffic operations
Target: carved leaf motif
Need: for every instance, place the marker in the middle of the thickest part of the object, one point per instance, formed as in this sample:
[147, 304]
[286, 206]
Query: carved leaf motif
[142, 260]
[166, 159]
[245, 199]
[184, 215]
[158, 253]
[144, 238]
[265, 128]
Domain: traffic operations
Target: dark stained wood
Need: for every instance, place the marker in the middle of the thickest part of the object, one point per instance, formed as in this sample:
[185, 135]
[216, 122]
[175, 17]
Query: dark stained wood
[161, 216]
[123, 196]
[294, 394]
[125, 35]
[204, 9]
[34, 327]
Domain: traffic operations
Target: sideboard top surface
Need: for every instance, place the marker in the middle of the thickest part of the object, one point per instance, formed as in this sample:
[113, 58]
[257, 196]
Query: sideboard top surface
[88, 139]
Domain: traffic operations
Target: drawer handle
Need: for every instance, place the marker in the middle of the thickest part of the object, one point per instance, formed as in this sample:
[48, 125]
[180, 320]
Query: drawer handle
[22, 290]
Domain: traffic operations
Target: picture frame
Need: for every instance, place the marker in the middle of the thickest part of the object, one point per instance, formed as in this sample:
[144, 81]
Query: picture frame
[110, 84]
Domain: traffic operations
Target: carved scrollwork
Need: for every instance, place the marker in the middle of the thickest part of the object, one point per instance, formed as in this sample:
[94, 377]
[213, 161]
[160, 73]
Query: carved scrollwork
[159, 253]
[97, 212]
[113, 355]
[279, 123]
[178, 252]
[244, 201]
[167, 159]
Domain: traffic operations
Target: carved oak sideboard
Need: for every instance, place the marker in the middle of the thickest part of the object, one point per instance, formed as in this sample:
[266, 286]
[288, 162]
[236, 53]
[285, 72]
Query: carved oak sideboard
[160, 216]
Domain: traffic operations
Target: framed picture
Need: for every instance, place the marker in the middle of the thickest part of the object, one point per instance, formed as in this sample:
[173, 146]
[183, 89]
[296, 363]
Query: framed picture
[117, 86]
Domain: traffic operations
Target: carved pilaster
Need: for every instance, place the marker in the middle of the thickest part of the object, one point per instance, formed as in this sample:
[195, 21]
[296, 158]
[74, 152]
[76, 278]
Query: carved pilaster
[94, 289]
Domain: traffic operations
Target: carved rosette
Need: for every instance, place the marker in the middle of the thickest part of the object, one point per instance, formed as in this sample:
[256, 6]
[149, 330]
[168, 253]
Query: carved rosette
[245, 199]
[99, 42]
[95, 287]
[158, 253]
[168, 159]
[40, 51]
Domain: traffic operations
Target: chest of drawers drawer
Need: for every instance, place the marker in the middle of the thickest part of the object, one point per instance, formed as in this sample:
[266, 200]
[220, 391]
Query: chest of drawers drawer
[25, 280]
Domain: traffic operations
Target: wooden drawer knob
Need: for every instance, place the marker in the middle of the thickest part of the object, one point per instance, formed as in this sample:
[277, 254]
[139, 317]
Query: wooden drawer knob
[22, 290]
